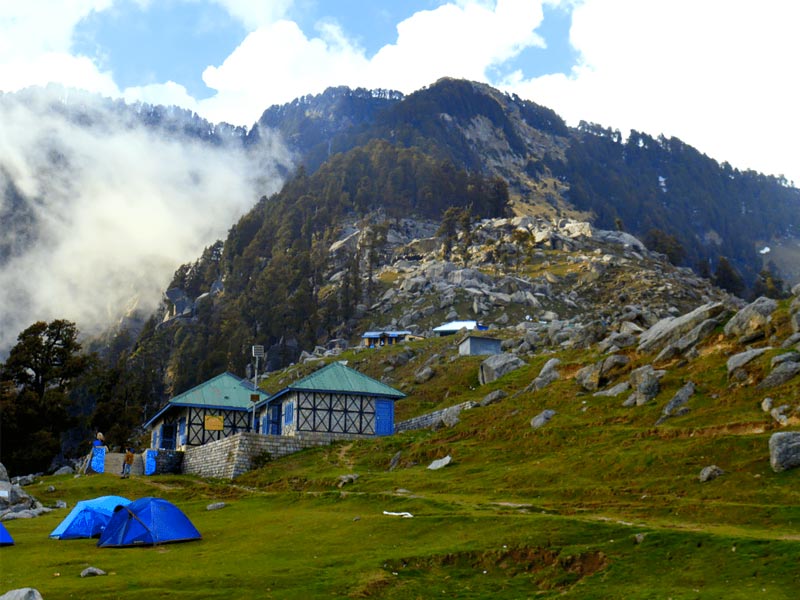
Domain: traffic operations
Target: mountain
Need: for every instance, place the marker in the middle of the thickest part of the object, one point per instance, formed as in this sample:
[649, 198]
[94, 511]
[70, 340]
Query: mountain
[373, 170]
[659, 188]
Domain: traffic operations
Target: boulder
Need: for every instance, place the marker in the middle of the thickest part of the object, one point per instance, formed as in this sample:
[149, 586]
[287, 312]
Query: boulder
[498, 365]
[343, 480]
[680, 398]
[737, 361]
[751, 321]
[780, 375]
[669, 330]
[784, 450]
[3, 473]
[92, 572]
[710, 473]
[542, 418]
[645, 384]
[22, 594]
[216, 505]
[613, 391]
[547, 375]
[423, 375]
[440, 463]
[492, 397]
[65, 470]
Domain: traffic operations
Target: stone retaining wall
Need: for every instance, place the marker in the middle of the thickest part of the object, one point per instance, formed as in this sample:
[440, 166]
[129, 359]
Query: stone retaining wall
[431, 419]
[230, 457]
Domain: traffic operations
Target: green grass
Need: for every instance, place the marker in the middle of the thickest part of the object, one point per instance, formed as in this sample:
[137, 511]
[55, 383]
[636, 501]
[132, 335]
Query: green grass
[520, 513]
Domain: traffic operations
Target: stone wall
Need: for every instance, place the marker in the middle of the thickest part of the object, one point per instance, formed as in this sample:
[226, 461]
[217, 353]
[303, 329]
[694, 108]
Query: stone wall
[237, 454]
[431, 419]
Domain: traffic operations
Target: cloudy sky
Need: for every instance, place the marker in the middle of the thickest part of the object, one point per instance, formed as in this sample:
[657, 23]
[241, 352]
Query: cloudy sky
[129, 207]
[719, 74]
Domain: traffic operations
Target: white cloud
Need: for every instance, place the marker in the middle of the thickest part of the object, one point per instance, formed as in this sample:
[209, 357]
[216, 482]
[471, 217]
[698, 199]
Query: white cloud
[277, 62]
[256, 14]
[718, 74]
[118, 212]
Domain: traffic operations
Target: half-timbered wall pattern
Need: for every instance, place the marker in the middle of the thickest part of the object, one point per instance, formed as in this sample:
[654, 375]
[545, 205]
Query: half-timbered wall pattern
[193, 419]
[334, 413]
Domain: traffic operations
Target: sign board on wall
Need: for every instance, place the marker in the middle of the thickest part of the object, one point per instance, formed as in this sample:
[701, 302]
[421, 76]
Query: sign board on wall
[214, 423]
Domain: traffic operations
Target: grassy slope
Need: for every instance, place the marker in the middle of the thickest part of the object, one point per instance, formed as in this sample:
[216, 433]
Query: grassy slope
[519, 513]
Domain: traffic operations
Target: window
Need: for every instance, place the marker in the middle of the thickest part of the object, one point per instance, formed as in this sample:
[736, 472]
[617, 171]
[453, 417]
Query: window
[288, 415]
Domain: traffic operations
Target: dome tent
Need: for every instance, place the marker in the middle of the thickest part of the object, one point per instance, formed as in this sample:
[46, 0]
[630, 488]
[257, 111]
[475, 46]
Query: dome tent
[88, 518]
[5, 537]
[147, 522]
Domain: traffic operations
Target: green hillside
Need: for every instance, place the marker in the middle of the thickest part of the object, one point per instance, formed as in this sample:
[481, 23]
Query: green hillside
[598, 503]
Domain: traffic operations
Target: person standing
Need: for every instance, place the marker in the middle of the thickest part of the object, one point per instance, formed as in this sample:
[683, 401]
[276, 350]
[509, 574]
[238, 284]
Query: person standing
[127, 463]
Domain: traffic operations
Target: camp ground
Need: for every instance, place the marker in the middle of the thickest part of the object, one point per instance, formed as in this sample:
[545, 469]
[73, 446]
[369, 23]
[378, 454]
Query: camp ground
[88, 518]
[147, 522]
[5, 537]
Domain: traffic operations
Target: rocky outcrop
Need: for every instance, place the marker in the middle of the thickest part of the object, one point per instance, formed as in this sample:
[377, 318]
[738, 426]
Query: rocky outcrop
[645, 384]
[784, 450]
[498, 365]
[671, 329]
[542, 419]
[677, 405]
[750, 323]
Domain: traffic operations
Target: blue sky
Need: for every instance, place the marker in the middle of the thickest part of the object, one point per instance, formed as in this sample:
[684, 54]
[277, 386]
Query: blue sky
[719, 74]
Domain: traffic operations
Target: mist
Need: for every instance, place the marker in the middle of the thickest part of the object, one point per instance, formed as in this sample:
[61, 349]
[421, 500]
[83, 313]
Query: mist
[98, 210]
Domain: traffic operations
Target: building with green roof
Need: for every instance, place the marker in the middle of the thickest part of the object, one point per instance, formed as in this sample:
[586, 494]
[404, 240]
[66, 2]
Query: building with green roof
[215, 409]
[335, 399]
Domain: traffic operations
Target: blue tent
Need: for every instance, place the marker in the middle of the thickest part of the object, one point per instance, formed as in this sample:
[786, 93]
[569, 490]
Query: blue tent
[88, 518]
[5, 537]
[147, 522]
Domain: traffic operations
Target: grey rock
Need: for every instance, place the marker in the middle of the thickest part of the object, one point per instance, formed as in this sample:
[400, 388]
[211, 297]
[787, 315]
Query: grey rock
[737, 361]
[779, 414]
[492, 397]
[343, 480]
[498, 365]
[671, 329]
[710, 473]
[794, 320]
[92, 572]
[547, 375]
[542, 418]
[766, 405]
[440, 463]
[216, 505]
[781, 358]
[780, 375]
[645, 384]
[791, 341]
[65, 470]
[22, 594]
[752, 319]
[680, 398]
[424, 374]
[613, 391]
[395, 460]
[61, 504]
[784, 450]
[3, 473]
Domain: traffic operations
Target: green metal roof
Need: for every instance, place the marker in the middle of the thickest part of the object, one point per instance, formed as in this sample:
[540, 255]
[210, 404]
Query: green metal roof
[223, 391]
[336, 377]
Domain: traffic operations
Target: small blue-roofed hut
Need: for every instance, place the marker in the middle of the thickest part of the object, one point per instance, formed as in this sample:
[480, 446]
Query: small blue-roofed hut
[478, 345]
[335, 399]
[213, 410]
[374, 339]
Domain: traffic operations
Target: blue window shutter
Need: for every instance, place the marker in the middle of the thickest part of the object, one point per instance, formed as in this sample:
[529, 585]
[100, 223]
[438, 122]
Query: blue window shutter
[288, 416]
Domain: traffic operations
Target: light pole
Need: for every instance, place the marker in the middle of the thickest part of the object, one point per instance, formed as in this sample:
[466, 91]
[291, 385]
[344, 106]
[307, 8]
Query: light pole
[258, 352]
